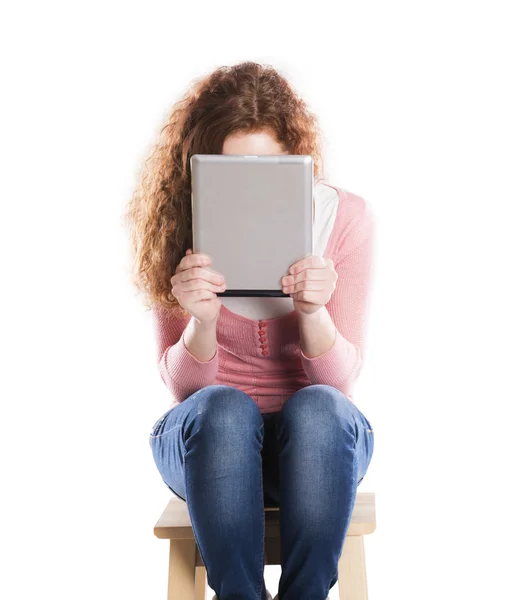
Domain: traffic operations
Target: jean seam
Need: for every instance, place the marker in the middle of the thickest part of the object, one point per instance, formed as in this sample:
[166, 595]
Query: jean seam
[262, 561]
[151, 436]
[185, 480]
[367, 430]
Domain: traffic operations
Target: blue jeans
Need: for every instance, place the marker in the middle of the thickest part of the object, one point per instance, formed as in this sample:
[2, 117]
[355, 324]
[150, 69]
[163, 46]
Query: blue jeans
[227, 460]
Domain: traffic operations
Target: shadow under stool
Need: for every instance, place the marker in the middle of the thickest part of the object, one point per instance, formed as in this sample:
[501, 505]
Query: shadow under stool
[187, 578]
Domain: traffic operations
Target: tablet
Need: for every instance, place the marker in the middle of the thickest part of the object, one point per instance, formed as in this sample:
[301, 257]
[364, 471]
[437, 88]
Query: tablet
[253, 215]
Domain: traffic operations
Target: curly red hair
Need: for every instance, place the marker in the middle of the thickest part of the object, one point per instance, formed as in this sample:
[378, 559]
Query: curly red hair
[247, 97]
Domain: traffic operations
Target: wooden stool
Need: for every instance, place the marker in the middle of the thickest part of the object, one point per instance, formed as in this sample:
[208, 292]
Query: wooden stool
[187, 575]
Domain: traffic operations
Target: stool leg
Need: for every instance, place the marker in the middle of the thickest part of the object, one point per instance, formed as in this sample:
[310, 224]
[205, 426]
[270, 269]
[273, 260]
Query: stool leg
[182, 570]
[201, 583]
[352, 582]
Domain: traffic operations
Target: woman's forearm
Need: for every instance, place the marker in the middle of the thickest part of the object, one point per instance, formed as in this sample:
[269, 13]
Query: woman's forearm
[201, 339]
[317, 333]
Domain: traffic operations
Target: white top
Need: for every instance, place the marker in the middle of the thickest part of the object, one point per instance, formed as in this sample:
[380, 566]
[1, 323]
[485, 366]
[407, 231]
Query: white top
[325, 202]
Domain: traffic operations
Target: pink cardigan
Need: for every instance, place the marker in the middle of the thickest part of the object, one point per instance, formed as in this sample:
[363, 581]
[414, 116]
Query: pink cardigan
[272, 371]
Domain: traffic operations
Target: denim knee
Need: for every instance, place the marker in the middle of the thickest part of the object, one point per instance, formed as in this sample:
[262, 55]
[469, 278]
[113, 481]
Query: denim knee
[228, 408]
[320, 403]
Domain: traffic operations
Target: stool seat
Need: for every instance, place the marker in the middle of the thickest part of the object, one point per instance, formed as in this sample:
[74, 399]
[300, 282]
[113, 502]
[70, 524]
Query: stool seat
[187, 578]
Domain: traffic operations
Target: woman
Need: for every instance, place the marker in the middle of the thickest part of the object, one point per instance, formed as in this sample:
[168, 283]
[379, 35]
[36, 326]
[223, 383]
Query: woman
[262, 412]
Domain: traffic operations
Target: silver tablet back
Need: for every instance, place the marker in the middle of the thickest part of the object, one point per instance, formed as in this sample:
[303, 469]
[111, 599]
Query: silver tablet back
[254, 216]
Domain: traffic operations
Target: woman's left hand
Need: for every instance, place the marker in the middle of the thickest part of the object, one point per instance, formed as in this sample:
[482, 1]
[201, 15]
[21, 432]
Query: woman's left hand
[311, 283]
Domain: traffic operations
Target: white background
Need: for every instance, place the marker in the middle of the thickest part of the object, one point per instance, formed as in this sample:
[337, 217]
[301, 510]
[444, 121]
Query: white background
[414, 99]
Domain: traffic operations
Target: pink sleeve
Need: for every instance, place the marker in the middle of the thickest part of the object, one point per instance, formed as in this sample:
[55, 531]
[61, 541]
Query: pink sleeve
[180, 370]
[341, 364]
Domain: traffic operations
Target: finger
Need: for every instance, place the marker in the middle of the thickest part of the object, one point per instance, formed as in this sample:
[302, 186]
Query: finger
[310, 262]
[307, 274]
[200, 274]
[314, 297]
[313, 286]
[199, 296]
[199, 284]
[193, 259]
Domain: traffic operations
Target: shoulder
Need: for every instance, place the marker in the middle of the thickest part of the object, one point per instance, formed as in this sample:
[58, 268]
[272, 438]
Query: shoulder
[163, 316]
[324, 192]
[355, 223]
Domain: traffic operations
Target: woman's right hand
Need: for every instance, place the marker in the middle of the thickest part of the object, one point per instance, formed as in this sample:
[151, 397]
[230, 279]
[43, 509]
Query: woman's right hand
[194, 285]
